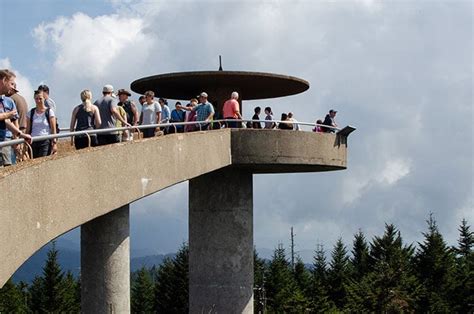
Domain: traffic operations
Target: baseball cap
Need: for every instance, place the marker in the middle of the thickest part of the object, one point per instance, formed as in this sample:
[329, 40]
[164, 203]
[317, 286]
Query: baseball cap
[332, 110]
[203, 94]
[108, 89]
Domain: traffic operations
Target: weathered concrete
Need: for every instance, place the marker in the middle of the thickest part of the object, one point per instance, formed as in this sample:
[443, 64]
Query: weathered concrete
[105, 263]
[221, 242]
[47, 197]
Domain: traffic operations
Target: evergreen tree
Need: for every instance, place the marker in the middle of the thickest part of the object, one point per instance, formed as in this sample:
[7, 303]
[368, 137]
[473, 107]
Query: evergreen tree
[360, 256]
[338, 274]
[12, 299]
[281, 288]
[54, 293]
[462, 295]
[171, 284]
[36, 295]
[71, 294]
[302, 278]
[391, 284]
[259, 269]
[434, 265]
[52, 281]
[319, 299]
[142, 292]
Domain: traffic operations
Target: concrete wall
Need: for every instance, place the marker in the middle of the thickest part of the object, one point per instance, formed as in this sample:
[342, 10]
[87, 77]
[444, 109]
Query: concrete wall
[45, 198]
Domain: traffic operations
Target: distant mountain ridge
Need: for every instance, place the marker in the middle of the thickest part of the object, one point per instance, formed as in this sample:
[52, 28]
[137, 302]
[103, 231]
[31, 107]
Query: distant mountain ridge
[69, 258]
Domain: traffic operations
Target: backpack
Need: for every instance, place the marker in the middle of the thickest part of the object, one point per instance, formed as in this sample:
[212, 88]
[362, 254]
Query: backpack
[32, 112]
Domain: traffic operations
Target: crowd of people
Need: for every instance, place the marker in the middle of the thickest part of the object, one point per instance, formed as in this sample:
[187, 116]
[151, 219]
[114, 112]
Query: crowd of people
[17, 121]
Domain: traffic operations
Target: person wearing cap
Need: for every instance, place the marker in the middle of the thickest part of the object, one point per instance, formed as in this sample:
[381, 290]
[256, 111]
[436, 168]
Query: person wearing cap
[204, 111]
[330, 120]
[108, 114]
[231, 111]
[128, 105]
[48, 101]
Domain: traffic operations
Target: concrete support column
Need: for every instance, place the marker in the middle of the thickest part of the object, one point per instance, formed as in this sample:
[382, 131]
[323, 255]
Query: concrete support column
[221, 242]
[105, 263]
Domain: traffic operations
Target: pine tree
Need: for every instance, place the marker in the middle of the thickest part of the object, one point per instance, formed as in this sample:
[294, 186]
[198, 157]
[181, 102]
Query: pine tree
[319, 299]
[259, 270]
[52, 282]
[281, 288]
[142, 292]
[181, 280]
[163, 283]
[360, 256]
[434, 265]
[171, 284]
[338, 274]
[36, 295]
[12, 299]
[462, 294]
[302, 278]
[53, 292]
[390, 285]
[71, 298]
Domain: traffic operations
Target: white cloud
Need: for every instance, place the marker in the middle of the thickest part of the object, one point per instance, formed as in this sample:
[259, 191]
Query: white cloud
[22, 82]
[400, 72]
[394, 170]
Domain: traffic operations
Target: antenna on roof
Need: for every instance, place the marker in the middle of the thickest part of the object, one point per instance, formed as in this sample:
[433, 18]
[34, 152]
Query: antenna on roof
[220, 63]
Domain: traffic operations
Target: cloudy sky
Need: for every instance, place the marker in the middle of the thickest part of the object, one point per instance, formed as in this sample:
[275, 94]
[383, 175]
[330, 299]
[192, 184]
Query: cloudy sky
[400, 71]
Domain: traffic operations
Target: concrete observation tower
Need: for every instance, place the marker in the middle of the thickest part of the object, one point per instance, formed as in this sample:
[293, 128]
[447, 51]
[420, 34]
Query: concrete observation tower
[83, 189]
[221, 202]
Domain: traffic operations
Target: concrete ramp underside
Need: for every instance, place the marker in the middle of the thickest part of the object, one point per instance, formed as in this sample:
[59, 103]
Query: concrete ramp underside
[43, 199]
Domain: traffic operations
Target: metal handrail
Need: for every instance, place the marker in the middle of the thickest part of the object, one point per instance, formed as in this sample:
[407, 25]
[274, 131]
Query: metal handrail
[157, 125]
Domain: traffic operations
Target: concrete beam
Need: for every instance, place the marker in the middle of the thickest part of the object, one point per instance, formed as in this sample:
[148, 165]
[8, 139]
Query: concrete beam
[221, 242]
[105, 263]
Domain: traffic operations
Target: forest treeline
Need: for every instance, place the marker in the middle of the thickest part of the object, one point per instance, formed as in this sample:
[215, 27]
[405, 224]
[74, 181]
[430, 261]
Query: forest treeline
[383, 275]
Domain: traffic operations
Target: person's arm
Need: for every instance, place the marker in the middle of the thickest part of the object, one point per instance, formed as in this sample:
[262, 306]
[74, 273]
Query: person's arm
[16, 131]
[8, 114]
[97, 119]
[54, 141]
[158, 117]
[136, 118]
[209, 117]
[73, 119]
[117, 116]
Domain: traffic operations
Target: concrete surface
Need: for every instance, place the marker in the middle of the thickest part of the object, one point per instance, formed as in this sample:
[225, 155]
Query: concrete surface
[221, 242]
[47, 197]
[105, 263]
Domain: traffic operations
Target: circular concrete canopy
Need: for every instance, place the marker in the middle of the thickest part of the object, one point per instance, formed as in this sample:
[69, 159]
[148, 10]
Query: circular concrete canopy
[250, 85]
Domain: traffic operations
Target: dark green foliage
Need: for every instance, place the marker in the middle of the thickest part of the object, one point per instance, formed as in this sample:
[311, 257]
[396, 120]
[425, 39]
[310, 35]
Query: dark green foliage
[318, 292]
[434, 263]
[338, 274]
[360, 256]
[390, 286]
[54, 292]
[171, 284]
[260, 268]
[282, 292]
[12, 299]
[462, 294]
[142, 295]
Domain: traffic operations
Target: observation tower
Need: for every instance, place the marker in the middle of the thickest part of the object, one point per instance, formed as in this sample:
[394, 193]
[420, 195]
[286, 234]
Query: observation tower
[84, 190]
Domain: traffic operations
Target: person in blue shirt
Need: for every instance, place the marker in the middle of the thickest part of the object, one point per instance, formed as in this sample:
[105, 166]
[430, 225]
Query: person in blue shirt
[177, 115]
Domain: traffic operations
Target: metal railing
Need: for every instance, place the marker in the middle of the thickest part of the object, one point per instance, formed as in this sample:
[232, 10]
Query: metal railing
[198, 124]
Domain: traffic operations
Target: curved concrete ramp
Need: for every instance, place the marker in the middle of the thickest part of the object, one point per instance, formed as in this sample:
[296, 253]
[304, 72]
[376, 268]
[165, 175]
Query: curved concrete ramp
[43, 199]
